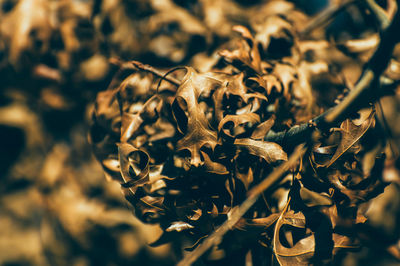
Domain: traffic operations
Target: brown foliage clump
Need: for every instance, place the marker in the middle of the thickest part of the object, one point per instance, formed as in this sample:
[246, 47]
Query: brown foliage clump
[193, 149]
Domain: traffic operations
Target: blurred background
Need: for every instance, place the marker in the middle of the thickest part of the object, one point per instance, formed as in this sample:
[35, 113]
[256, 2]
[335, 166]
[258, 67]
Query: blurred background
[56, 207]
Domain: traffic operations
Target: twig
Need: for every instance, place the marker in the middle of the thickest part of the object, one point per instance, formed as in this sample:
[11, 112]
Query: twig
[333, 10]
[326, 15]
[146, 68]
[379, 14]
[362, 93]
[253, 195]
[371, 75]
[156, 72]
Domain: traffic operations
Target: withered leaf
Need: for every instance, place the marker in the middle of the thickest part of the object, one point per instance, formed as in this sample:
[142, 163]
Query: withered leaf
[264, 222]
[179, 226]
[190, 117]
[131, 122]
[247, 53]
[134, 166]
[312, 198]
[233, 85]
[302, 251]
[237, 120]
[360, 45]
[129, 125]
[246, 178]
[275, 28]
[254, 53]
[196, 215]
[162, 130]
[106, 106]
[213, 167]
[268, 82]
[287, 75]
[351, 133]
[269, 151]
[262, 129]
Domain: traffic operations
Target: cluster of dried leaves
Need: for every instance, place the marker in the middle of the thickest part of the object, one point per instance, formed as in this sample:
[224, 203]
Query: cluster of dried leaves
[197, 150]
[189, 149]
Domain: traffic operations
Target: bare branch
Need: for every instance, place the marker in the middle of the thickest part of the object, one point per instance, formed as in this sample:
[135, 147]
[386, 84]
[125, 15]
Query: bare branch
[364, 92]
[136, 65]
[325, 16]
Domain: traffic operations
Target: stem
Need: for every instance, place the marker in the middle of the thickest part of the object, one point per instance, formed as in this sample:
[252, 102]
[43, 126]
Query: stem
[326, 15]
[343, 109]
[155, 72]
[362, 93]
[379, 14]
[146, 68]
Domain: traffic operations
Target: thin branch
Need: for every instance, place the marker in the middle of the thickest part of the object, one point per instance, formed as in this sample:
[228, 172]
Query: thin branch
[156, 72]
[358, 97]
[326, 15]
[253, 195]
[379, 14]
[147, 68]
[382, 17]
[363, 90]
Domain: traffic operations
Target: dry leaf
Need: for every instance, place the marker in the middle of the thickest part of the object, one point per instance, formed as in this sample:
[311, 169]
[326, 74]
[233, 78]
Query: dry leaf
[269, 151]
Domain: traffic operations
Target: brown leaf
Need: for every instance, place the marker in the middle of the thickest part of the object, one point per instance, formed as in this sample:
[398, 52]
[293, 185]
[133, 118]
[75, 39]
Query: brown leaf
[234, 85]
[268, 82]
[360, 45]
[213, 167]
[275, 29]
[190, 117]
[256, 224]
[269, 151]
[351, 133]
[262, 129]
[131, 122]
[134, 167]
[161, 129]
[312, 198]
[196, 215]
[302, 251]
[264, 222]
[129, 125]
[246, 178]
[179, 226]
[246, 54]
[287, 75]
[236, 120]
[106, 108]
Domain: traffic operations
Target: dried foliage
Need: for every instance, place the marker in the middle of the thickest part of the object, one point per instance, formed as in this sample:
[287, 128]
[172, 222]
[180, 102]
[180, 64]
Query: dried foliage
[188, 153]
[253, 133]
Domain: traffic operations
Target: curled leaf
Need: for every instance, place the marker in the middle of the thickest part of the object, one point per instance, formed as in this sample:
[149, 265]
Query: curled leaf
[296, 244]
[269, 151]
[190, 117]
[179, 226]
[228, 120]
[134, 166]
[262, 129]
